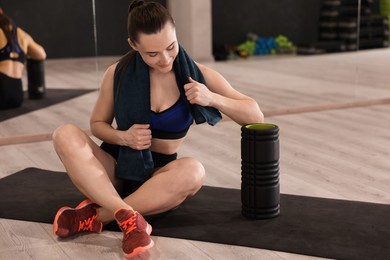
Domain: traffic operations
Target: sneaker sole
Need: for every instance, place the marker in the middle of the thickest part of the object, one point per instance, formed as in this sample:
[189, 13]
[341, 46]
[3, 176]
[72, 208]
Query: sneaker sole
[140, 250]
[149, 229]
[84, 203]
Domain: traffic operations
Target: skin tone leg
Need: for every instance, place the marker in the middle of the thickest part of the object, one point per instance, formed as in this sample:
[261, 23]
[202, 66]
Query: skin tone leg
[92, 171]
[167, 188]
[88, 166]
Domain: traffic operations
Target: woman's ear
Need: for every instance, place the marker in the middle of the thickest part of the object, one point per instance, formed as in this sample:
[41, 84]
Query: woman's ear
[132, 45]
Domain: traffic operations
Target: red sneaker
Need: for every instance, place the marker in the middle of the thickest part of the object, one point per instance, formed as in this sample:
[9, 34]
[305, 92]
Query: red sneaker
[69, 221]
[136, 232]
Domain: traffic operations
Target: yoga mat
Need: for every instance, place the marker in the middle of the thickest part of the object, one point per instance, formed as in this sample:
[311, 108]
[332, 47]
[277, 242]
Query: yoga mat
[53, 96]
[306, 225]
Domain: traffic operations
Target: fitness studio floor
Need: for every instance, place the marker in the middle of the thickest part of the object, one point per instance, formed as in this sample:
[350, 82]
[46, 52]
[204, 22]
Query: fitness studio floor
[334, 115]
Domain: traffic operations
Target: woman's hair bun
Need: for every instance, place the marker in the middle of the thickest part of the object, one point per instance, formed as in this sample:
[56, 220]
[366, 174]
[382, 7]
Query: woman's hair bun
[135, 4]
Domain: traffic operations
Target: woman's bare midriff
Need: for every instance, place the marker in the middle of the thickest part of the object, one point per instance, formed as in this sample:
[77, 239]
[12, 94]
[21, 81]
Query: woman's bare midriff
[166, 146]
[13, 69]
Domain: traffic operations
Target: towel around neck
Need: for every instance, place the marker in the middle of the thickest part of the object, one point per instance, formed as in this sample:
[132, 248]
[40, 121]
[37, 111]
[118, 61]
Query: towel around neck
[132, 106]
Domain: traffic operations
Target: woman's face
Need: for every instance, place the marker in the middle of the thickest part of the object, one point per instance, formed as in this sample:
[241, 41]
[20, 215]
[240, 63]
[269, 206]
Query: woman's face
[158, 50]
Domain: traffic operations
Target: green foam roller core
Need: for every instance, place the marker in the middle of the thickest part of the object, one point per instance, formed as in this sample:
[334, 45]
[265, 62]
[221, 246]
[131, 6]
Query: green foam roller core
[260, 126]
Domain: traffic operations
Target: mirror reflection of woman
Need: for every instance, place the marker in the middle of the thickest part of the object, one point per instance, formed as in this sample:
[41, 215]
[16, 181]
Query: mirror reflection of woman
[94, 169]
[16, 46]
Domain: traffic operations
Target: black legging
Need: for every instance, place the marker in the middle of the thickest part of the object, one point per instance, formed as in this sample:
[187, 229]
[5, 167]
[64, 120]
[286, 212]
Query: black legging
[11, 92]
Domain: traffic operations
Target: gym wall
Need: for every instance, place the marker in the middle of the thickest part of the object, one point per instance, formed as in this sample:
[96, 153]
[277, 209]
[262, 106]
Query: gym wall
[66, 27]
[296, 19]
[63, 27]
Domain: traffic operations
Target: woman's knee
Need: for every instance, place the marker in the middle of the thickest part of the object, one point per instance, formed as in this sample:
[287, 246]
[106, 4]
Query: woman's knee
[193, 173]
[67, 137]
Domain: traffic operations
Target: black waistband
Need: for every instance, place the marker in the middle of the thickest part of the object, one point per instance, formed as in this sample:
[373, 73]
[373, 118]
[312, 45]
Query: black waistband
[161, 160]
[169, 135]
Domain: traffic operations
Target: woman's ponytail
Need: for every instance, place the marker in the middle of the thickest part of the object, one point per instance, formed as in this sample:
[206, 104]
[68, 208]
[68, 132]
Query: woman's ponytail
[135, 4]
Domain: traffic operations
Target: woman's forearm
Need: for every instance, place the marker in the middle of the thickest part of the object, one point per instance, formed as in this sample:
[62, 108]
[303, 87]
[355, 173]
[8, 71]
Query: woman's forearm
[106, 133]
[242, 111]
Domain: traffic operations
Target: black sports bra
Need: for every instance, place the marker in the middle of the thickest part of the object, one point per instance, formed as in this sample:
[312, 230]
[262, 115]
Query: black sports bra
[172, 123]
[7, 53]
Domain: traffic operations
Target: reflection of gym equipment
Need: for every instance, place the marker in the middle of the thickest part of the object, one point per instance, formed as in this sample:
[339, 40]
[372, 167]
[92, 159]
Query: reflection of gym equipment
[322, 47]
[339, 29]
[384, 7]
[36, 79]
[260, 189]
[345, 2]
[255, 45]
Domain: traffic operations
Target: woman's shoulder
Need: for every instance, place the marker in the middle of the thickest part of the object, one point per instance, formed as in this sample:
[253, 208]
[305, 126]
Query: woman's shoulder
[110, 71]
[3, 39]
[108, 77]
[24, 39]
[22, 35]
[202, 67]
[206, 71]
[119, 64]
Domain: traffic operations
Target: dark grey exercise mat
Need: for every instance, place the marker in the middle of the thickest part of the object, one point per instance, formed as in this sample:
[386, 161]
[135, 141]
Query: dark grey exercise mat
[53, 96]
[311, 226]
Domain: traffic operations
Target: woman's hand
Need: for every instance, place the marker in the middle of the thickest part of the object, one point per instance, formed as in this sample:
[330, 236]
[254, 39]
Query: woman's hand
[198, 93]
[138, 137]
